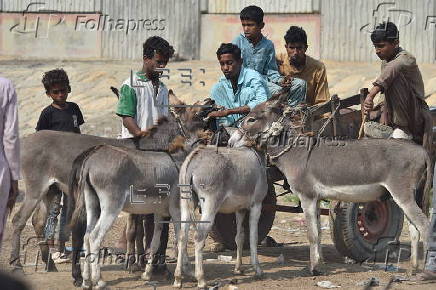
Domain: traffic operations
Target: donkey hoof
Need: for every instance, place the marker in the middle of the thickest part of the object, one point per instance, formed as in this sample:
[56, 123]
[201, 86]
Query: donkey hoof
[146, 276]
[316, 272]
[177, 283]
[78, 282]
[86, 285]
[100, 285]
[238, 272]
[217, 247]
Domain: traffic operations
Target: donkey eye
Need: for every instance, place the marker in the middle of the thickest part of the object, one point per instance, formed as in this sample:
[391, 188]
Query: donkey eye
[251, 120]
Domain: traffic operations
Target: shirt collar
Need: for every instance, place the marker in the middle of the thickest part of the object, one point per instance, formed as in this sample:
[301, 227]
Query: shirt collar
[240, 77]
[142, 77]
[247, 40]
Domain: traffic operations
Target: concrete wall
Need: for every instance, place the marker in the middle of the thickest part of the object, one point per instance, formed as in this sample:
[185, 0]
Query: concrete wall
[41, 36]
[346, 27]
[218, 28]
[123, 27]
[268, 6]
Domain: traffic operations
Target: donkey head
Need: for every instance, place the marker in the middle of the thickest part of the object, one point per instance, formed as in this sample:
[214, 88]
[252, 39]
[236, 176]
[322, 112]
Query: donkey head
[272, 118]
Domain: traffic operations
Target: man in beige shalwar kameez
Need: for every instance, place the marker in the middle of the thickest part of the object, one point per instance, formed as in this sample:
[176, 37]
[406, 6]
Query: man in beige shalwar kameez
[9, 150]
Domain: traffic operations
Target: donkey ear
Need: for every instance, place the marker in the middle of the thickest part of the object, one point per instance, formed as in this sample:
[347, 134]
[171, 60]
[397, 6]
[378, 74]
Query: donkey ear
[173, 100]
[281, 98]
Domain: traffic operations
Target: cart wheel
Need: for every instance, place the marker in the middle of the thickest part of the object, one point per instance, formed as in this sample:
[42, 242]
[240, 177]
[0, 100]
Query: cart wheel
[361, 231]
[224, 229]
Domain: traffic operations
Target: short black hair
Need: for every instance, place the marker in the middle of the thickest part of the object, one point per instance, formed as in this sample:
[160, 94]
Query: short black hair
[54, 77]
[229, 48]
[296, 34]
[386, 31]
[156, 44]
[253, 13]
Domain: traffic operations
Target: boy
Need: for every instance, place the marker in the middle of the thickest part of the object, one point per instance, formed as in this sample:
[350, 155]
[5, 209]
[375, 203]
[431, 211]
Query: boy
[258, 53]
[401, 82]
[296, 63]
[240, 90]
[143, 100]
[60, 115]
[65, 116]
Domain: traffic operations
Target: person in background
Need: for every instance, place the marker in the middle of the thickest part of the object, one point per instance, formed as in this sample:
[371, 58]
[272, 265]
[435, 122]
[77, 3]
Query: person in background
[9, 151]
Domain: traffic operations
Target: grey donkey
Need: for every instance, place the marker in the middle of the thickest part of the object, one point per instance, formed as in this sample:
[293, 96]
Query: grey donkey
[346, 170]
[226, 180]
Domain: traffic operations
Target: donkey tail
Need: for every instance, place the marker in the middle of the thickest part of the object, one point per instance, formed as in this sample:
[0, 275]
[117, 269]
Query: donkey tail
[428, 184]
[76, 203]
[188, 198]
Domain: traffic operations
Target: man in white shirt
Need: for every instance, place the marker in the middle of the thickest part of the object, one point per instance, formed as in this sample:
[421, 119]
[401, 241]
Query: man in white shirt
[143, 100]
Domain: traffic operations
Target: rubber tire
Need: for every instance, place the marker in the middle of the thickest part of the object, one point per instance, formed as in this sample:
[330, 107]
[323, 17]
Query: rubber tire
[224, 229]
[349, 241]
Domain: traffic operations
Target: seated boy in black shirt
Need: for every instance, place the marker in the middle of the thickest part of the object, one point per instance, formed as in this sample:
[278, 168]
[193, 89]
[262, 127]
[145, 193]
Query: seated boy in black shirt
[65, 116]
[59, 115]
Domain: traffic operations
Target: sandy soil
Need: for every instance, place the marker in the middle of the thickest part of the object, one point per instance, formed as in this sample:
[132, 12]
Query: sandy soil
[90, 81]
[288, 229]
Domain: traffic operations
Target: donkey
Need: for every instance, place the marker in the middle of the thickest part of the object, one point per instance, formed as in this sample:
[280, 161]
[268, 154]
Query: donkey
[229, 180]
[102, 187]
[346, 170]
[47, 158]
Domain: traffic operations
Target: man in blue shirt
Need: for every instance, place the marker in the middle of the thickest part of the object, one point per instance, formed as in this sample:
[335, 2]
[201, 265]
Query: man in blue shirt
[258, 53]
[240, 90]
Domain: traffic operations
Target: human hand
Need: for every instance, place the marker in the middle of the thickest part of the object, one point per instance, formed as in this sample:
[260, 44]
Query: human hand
[368, 104]
[287, 81]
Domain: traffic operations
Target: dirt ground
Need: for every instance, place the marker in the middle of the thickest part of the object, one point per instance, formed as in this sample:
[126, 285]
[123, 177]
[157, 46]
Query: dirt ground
[90, 82]
[288, 229]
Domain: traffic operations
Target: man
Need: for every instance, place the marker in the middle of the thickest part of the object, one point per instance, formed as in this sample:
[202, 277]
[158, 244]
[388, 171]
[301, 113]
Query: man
[143, 100]
[295, 63]
[401, 82]
[239, 90]
[9, 151]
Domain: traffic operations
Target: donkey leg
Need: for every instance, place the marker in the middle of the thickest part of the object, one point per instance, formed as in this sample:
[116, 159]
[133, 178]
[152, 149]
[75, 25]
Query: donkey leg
[155, 242]
[255, 211]
[182, 244]
[77, 234]
[92, 213]
[414, 245]
[310, 208]
[39, 219]
[239, 239]
[139, 243]
[419, 225]
[131, 228]
[203, 229]
[107, 218]
[18, 224]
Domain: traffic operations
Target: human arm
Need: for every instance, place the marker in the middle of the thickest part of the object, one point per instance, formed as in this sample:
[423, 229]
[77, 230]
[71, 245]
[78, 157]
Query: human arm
[272, 68]
[321, 93]
[224, 113]
[369, 100]
[11, 141]
[126, 109]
